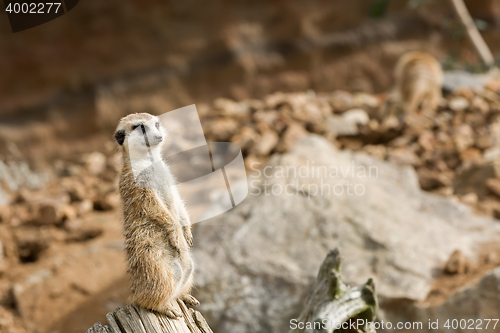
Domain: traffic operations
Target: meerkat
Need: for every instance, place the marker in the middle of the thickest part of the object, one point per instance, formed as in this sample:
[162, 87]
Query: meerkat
[419, 78]
[156, 224]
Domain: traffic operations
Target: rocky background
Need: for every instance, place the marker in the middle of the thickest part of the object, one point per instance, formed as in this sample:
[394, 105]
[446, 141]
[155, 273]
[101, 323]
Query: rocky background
[289, 82]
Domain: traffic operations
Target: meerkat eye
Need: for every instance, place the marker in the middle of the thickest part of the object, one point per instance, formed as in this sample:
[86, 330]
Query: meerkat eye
[157, 125]
[134, 127]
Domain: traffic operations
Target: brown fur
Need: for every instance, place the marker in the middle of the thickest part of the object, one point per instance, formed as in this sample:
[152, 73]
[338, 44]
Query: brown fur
[157, 246]
[419, 78]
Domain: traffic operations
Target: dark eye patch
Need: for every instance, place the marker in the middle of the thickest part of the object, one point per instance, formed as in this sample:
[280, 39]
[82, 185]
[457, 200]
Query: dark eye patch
[157, 125]
[120, 137]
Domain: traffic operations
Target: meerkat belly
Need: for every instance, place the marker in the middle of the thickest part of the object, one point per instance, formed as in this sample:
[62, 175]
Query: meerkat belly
[182, 270]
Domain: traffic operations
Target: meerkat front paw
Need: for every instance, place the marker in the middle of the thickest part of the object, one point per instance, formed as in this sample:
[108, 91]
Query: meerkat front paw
[188, 235]
[175, 247]
[173, 239]
[190, 300]
[170, 311]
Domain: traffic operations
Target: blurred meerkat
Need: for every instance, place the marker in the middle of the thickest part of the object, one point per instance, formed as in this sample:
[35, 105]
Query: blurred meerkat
[156, 224]
[419, 78]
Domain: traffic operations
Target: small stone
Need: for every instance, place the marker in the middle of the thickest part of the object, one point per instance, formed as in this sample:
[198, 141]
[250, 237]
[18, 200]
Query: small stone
[426, 140]
[463, 137]
[245, 138]
[401, 141]
[469, 199]
[72, 225]
[5, 213]
[493, 185]
[474, 180]
[446, 191]
[5, 198]
[475, 119]
[272, 101]
[488, 95]
[458, 104]
[76, 191]
[292, 135]
[230, 108]
[492, 154]
[483, 142]
[457, 264]
[50, 211]
[403, 156]
[108, 202]
[265, 144]
[84, 234]
[222, 129]
[310, 113]
[6, 300]
[95, 163]
[432, 180]
[341, 101]
[470, 154]
[84, 207]
[366, 100]
[373, 124]
[464, 92]
[356, 116]
[390, 123]
[479, 104]
[68, 212]
[47, 214]
[347, 123]
[378, 151]
[493, 85]
[265, 118]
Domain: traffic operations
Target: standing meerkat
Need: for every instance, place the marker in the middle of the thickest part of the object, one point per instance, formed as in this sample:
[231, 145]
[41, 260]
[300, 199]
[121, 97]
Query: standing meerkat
[419, 78]
[156, 224]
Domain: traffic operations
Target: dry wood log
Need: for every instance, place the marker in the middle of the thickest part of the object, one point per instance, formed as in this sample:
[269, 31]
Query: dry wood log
[133, 319]
[477, 40]
[332, 302]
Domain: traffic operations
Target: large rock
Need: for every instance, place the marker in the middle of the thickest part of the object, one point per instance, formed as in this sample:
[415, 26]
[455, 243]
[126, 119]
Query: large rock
[454, 80]
[256, 262]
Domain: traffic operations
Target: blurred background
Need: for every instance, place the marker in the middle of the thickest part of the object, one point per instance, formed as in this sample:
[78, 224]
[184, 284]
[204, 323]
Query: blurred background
[263, 74]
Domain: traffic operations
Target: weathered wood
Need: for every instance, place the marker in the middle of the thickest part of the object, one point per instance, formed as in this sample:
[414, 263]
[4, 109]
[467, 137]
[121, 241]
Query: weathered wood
[475, 37]
[99, 328]
[332, 303]
[133, 319]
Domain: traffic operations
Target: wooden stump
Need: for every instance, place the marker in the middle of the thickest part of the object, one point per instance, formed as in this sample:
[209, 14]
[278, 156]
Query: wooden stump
[133, 319]
[333, 302]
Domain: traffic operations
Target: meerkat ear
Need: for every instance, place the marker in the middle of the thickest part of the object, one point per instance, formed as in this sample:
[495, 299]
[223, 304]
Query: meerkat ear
[120, 137]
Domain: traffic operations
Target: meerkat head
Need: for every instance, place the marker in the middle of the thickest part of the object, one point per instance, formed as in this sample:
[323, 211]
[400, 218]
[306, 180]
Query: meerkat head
[140, 132]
